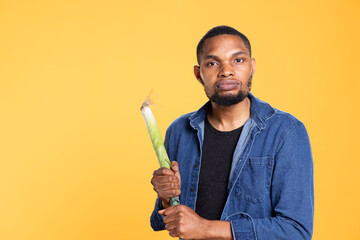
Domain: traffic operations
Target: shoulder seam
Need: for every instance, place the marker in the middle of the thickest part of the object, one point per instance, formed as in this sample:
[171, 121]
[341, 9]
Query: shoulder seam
[298, 123]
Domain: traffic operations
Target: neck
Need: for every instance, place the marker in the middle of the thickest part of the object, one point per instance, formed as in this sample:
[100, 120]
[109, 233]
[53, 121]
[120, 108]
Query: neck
[230, 117]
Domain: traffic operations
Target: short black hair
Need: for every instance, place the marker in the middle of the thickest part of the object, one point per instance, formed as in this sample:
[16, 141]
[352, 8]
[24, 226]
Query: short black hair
[220, 30]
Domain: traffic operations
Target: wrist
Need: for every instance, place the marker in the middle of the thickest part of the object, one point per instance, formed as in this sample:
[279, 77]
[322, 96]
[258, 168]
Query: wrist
[215, 229]
[164, 204]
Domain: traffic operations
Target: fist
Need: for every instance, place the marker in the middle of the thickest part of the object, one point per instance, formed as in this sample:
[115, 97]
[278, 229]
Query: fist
[181, 221]
[167, 183]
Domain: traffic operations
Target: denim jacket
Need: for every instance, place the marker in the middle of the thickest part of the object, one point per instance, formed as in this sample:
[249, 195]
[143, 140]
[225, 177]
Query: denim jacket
[271, 188]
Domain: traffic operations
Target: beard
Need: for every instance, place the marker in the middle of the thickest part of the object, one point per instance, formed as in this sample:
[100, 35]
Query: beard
[229, 100]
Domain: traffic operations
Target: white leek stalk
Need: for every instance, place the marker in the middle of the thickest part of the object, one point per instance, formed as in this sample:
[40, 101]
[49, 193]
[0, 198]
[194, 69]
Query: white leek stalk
[156, 140]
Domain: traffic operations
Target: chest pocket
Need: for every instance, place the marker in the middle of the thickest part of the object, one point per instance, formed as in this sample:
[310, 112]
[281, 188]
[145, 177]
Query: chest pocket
[253, 184]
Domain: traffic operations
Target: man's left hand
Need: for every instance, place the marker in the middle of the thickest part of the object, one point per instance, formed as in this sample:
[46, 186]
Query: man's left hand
[181, 221]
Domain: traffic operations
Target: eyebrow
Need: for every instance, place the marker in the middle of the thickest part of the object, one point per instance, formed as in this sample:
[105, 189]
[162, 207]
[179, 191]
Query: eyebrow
[217, 58]
[211, 57]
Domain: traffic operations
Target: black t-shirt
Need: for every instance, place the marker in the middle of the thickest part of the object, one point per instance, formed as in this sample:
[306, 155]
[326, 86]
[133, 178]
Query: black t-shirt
[217, 153]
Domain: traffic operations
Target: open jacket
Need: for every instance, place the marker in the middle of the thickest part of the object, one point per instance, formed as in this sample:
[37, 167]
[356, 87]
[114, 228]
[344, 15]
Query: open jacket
[271, 188]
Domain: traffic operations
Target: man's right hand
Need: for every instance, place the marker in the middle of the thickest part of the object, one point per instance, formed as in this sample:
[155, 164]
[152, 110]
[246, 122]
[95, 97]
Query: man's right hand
[167, 183]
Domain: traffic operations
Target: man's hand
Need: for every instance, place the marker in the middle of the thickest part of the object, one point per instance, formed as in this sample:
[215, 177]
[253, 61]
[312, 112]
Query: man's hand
[181, 221]
[167, 183]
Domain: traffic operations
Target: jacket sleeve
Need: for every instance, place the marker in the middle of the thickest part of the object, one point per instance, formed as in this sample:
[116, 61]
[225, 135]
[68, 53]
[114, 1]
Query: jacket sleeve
[292, 195]
[157, 220]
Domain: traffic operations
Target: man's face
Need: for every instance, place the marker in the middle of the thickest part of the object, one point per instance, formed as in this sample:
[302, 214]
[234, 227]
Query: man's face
[225, 70]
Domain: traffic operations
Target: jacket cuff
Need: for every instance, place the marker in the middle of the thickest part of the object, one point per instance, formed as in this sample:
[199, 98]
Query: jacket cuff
[242, 226]
[157, 220]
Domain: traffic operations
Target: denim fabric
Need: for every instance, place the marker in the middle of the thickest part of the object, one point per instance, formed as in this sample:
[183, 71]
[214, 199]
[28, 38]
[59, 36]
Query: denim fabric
[271, 188]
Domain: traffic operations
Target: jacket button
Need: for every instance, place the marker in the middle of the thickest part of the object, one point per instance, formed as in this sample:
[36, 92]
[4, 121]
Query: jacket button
[192, 189]
[195, 165]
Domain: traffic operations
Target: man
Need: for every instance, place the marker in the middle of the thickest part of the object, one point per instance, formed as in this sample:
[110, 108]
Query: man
[242, 168]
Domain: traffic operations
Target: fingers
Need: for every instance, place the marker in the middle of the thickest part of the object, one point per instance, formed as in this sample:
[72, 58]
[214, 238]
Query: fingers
[172, 211]
[170, 221]
[167, 194]
[171, 218]
[165, 179]
[162, 212]
[183, 222]
[166, 184]
[175, 218]
[167, 172]
[162, 171]
[175, 168]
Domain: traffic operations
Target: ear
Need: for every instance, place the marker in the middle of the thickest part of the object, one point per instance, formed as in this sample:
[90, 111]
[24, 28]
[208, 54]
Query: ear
[253, 65]
[197, 74]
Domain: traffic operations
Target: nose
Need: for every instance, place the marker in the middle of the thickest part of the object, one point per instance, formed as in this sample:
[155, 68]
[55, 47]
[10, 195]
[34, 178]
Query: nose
[226, 71]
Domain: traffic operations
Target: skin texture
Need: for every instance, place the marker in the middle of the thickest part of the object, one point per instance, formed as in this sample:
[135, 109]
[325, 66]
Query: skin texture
[167, 183]
[225, 68]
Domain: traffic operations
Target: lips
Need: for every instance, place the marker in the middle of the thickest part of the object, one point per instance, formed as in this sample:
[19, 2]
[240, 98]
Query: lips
[227, 85]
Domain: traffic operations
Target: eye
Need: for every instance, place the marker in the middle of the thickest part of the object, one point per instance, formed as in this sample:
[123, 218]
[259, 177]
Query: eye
[239, 60]
[211, 64]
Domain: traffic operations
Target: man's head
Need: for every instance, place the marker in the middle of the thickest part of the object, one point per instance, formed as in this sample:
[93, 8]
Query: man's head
[225, 65]
[220, 30]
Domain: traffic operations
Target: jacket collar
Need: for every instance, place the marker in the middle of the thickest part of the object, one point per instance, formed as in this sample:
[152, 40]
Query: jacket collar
[260, 112]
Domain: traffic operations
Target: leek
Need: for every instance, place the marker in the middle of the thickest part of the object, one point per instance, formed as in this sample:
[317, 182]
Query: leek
[156, 140]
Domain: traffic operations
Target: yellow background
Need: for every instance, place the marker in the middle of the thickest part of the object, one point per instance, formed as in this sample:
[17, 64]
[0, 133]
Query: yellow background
[75, 157]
